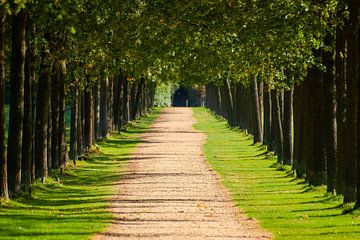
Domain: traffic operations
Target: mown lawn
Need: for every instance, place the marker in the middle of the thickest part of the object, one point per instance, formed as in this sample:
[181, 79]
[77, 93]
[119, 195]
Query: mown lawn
[73, 205]
[284, 205]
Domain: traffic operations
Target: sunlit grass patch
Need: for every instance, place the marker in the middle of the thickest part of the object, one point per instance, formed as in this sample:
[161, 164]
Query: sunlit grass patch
[73, 205]
[284, 205]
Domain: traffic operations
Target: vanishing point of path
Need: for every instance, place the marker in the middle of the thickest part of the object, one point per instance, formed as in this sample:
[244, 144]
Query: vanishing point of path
[169, 192]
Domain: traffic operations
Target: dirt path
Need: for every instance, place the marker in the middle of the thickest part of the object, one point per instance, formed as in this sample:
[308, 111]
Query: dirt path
[169, 192]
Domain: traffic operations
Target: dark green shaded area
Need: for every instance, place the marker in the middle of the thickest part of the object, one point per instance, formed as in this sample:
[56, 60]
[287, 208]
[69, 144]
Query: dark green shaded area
[74, 205]
[284, 205]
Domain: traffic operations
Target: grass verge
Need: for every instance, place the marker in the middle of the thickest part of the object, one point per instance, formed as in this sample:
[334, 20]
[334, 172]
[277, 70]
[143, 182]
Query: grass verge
[284, 205]
[73, 205]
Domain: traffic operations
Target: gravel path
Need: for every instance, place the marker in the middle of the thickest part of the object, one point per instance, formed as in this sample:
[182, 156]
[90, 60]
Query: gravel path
[169, 192]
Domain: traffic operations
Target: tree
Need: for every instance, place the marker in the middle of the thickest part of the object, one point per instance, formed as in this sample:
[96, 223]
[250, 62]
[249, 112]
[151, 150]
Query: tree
[17, 77]
[3, 162]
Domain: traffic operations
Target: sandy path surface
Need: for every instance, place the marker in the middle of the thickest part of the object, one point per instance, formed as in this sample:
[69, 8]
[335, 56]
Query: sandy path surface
[169, 192]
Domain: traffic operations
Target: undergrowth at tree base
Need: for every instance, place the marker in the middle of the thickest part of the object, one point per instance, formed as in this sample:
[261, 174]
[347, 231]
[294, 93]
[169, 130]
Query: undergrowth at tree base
[284, 205]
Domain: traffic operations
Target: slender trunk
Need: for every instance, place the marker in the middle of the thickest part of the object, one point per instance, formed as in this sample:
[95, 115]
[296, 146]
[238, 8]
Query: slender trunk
[89, 118]
[103, 107]
[110, 103]
[218, 100]
[62, 147]
[340, 109]
[118, 102]
[330, 114]
[96, 89]
[74, 127]
[42, 115]
[267, 115]
[132, 100]
[276, 124]
[17, 76]
[256, 112]
[287, 127]
[55, 85]
[125, 103]
[80, 125]
[49, 135]
[28, 123]
[299, 131]
[352, 68]
[239, 108]
[316, 165]
[4, 193]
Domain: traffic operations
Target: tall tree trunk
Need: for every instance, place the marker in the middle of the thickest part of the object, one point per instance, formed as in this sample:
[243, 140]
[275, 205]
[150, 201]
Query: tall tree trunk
[62, 147]
[276, 124]
[218, 100]
[316, 165]
[352, 68]
[80, 124]
[49, 134]
[132, 107]
[74, 127]
[330, 113]
[267, 115]
[42, 115]
[137, 98]
[256, 112]
[103, 106]
[55, 85]
[340, 109]
[299, 131]
[288, 127]
[28, 123]
[89, 118]
[110, 103]
[17, 76]
[96, 90]
[125, 103]
[352, 82]
[4, 192]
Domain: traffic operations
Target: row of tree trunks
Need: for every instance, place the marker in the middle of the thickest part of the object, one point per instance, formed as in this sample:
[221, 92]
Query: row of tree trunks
[103, 107]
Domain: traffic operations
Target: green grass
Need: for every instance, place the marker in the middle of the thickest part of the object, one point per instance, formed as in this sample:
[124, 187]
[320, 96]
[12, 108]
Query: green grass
[284, 205]
[76, 206]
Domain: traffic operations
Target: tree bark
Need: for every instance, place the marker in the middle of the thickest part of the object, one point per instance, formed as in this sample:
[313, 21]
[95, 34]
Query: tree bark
[352, 68]
[62, 147]
[89, 118]
[288, 127]
[125, 103]
[316, 164]
[96, 90]
[330, 113]
[103, 106]
[110, 103]
[340, 109]
[28, 123]
[267, 115]
[80, 124]
[4, 192]
[42, 115]
[276, 124]
[17, 76]
[256, 112]
[299, 164]
[73, 128]
[55, 85]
